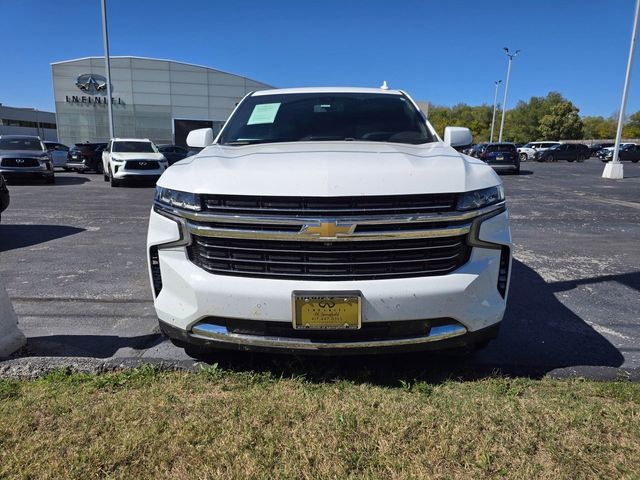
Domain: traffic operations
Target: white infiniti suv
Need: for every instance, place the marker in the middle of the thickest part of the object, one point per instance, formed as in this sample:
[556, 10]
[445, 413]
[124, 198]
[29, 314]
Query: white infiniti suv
[329, 220]
[128, 158]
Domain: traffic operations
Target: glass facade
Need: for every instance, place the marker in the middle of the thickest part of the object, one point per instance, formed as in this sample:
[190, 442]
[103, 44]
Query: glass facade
[148, 95]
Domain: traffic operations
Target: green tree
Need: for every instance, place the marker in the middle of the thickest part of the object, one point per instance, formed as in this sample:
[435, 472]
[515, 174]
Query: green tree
[598, 128]
[561, 123]
[632, 127]
[522, 123]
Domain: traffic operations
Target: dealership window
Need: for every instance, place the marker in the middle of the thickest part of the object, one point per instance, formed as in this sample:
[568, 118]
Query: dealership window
[25, 123]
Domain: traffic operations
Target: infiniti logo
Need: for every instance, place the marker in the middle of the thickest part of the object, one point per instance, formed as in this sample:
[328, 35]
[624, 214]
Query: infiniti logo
[19, 160]
[326, 303]
[90, 82]
[142, 164]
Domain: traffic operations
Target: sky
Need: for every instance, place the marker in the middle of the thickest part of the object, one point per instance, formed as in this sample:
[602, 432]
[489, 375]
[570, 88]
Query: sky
[445, 52]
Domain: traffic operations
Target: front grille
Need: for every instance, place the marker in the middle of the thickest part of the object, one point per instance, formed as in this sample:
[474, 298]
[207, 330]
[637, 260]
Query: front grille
[330, 206]
[313, 260]
[20, 162]
[141, 165]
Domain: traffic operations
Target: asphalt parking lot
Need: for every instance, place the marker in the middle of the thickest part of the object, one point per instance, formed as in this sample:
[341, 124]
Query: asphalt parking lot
[73, 258]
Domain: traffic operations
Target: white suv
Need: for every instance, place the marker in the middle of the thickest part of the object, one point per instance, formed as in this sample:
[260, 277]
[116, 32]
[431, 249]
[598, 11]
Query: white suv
[528, 151]
[129, 158]
[329, 220]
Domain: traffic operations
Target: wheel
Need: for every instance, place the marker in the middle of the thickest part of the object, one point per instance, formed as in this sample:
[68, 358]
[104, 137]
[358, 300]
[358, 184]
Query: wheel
[523, 157]
[551, 158]
[634, 161]
[99, 169]
[517, 172]
[50, 179]
[66, 169]
[114, 182]
[570, 160]
[581, 158]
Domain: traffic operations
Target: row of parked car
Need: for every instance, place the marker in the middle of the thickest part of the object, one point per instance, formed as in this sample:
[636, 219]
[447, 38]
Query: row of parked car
[553, 151]
[88, 156]
[25, 156]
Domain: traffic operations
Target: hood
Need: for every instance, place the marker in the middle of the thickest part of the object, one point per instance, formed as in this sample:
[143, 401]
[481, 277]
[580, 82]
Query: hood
[329, 169]
[136, 156]
[22, 153]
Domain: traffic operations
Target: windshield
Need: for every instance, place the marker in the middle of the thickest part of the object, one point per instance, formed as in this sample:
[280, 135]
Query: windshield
[133, 147]
[21, 144]
[314, 117]
[501, 147]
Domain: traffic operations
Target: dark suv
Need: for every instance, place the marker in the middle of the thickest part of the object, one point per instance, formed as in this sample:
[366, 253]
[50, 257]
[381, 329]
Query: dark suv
[4, 196]
[565, 151]
[86, 156]
[23, 157]
[502, 157]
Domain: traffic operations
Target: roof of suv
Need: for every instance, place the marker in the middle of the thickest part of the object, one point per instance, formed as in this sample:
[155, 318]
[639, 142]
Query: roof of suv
[279, 91]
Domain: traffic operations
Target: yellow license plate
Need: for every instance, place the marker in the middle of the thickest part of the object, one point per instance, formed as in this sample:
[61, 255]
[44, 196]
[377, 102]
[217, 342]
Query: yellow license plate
[327, 311]
[500, 158]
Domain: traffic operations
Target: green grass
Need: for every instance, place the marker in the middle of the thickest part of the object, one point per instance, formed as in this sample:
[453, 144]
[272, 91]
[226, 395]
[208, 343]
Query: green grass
[145, 423]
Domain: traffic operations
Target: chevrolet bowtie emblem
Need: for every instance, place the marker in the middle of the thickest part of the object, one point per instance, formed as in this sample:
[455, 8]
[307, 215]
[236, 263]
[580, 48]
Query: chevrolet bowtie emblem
[328, 229]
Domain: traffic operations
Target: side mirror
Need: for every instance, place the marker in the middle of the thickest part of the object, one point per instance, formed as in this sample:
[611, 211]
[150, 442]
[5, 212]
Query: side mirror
[200, 138]
[457, 136]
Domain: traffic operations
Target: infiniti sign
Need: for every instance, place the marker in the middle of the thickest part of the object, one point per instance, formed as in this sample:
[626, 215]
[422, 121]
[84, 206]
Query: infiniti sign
[96, 86]
[90, 83]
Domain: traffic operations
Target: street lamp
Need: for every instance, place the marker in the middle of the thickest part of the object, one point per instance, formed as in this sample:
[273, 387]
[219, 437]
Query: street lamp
[506, 88]
[495, 103]
[107, 66]
[614, 168]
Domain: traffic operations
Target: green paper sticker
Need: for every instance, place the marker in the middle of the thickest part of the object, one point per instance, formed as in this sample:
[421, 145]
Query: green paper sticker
[263, 113]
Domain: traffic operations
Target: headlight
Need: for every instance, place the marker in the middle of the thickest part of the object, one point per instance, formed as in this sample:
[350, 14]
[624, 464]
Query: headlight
[174, 198]
[480, 198]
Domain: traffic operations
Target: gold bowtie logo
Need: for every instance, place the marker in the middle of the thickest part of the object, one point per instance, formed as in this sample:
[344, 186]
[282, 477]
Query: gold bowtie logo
[327, 229]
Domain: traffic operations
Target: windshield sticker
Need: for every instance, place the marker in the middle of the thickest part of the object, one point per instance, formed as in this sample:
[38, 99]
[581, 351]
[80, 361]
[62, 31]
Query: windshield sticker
[263, 113]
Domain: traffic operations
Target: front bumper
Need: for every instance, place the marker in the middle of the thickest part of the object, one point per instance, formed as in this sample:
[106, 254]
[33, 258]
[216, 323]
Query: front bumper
[190, 297]
[120, 172]
[10, 173]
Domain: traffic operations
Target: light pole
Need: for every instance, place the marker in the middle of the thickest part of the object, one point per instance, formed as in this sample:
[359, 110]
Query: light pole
[495, 103]
[506, 89]
[614, 168]
[107, 66]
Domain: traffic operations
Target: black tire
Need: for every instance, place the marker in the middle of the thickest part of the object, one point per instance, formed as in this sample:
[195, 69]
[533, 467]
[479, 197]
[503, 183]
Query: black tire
[581, 158]
[570, 160]
[634, 161]
[551, 158]
[113, 181]
[524, 157]
[98, 168]
[517, 172]
[50, 180]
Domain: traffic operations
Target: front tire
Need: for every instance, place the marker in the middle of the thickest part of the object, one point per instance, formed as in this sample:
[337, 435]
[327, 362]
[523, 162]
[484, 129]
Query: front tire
[113, 181]
[50, 180]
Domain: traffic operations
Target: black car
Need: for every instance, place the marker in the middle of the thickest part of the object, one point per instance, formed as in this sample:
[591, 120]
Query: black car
[86, 156]
[25, 157]
[502, 157]
[596, 147]
[630, 152]
[173, 153]
[477, 150]
[4, 196]
[564, 151]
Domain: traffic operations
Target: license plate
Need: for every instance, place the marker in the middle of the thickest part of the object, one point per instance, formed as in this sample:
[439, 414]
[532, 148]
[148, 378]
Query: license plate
[500, 158]
[327, 310]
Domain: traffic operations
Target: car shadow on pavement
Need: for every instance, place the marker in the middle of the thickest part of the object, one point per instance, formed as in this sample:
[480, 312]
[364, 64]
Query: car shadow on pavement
[20, 236]
[71, 180]
[92, 346]
[539, 334]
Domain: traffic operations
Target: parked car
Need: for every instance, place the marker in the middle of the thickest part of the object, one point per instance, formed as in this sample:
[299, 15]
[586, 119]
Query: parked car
[4, 196]
[596, 147]
[604, 152]
[23, 157]
[477, 150]
[503, 157]
[86, 156]
[314, 224]
[58, 153]
[173, 153]
[564, 151]
[132, 158]
[528, 151]
[630, 152]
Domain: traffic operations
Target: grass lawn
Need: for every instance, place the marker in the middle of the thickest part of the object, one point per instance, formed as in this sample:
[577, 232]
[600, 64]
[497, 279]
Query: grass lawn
[219, 423]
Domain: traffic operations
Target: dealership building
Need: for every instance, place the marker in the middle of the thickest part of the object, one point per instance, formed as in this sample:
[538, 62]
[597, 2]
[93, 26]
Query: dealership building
[158, 99]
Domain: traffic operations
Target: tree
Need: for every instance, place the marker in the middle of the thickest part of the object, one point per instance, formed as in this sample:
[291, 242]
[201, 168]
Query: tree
[632, 127]
[561, 123]
[599, 127]
[522, 123]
